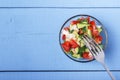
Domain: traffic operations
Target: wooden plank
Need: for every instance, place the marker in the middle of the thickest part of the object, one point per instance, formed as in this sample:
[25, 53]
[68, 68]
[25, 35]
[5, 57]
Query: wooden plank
[59, 3]
[59, 76]
[29, 39]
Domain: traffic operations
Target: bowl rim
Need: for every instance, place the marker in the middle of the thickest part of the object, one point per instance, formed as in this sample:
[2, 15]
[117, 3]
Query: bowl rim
[106, 42]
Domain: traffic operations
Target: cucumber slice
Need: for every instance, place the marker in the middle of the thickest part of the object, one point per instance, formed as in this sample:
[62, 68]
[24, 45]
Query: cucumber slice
[75, 51]
[82, 25]
[86, 50]
[76, 34]
[84, 22]
[76, 55]
[82, 43]
[89, 33]
[99, 29]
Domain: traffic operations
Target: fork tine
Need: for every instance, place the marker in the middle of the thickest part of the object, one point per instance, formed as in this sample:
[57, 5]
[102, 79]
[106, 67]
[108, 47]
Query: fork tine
[88, 38]
[94, 43]
[94, 50]
[88, 45]
[97, 45]
[97, 49]
[93, 53]
[94, 47]
[86, 42]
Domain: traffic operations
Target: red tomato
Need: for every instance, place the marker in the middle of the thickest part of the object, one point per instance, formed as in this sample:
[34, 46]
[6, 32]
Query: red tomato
[82, 18]
[73, 43]
[95, 32]
[66, 46]
[87, 55]
[67, 28]
[98, 39]
[88, 19]
[74, 22]
[90, 27]
[63, 37]
[93, 28]
[92, 24]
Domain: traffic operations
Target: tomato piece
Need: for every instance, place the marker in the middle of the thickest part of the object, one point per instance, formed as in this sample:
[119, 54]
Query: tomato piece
[63, 37]
[95, 32]
[93, 28]
[88, 19]
[73, 43]
[67, 28]
[98, 39]
[66, 46]
[93, 24]
[82, 18]
[74, 22]
[90, 27]
[87, 55]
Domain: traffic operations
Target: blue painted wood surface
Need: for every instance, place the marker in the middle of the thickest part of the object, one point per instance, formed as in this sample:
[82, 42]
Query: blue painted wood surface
[29, 38]
[59, 3]
[58, 76]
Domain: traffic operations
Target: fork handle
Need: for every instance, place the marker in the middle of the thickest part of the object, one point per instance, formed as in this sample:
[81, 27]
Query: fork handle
[108, 71]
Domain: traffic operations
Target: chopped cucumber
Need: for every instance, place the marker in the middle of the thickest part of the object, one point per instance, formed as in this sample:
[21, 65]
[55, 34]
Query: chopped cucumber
[76, 34]
[81, 25]
[86, 50]
[71, 30]
[82, 43]
[84, 21]
[99, 29]
[89, 33]
[76, 55]
[71, 27]
[78, 38]
[76, 50]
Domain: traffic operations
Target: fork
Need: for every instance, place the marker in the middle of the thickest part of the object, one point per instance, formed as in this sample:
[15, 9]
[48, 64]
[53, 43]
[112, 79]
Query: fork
[97, 52]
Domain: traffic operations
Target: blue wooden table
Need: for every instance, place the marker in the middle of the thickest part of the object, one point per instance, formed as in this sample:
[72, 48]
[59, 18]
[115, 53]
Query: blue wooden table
[29, 39]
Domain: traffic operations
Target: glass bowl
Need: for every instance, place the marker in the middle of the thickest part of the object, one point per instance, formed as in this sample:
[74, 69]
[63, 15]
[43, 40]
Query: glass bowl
[103, 34]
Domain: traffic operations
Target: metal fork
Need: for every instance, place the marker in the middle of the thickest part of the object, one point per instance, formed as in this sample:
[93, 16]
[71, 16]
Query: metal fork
[97, 52]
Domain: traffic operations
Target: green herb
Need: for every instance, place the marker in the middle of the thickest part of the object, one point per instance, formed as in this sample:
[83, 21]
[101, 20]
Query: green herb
[82, 49]
[85, 21]
[84, 29]
[71, 31]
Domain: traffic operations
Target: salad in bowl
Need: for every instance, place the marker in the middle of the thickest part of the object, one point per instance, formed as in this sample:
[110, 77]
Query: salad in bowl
[72, 32]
